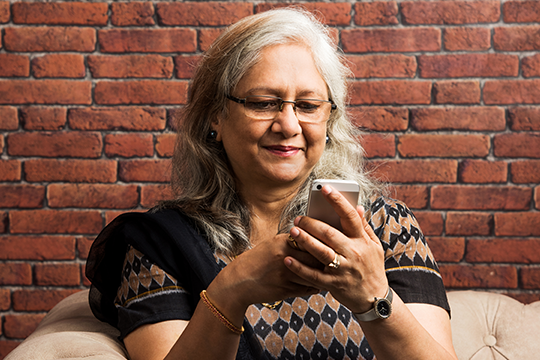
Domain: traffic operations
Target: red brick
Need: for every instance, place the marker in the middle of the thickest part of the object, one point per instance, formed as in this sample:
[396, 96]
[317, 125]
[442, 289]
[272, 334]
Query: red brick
[85, 281]
[382, 66]
[207, 37]
[185, 65]
[450, 12]
[57, 274]
[20, 326]
[202, 14]
[106, 196]
[537, 197]
[467, 39]
[415, 196]
[516, 38]
[132, 14]
[391, 92]
[15, 273]
[377, 13]
[39, 39]
[141, 92]
[37, 247]
[517, 224]
[8, 118]
[147, 40]
[10, 170]
[459, 118]
[530, 66]
[3, 221]
[481, 171]
[512, 92]
[415, 171]
[91, 171]
[152, 194]
[45, 92]
[457, 92]
[7, 346]
[447, 249]
[14, 65]
[118, 118]
[55, 222]
[507, 250]
[380, 118]
[517, 145]
[480, 197]
[430, 222]
[333, 13]
[379, 145]
[55, 144]
[479, 276]
[129, 145]
[21, 196]
[59, 65]
[442, 145]
[524, 298]
[530, 278]
[130, 66]
[391, 40]
[4, 13]
[83, 246]
[468, 65]
[43, 118]
[521, 11]
[144, 170]
[527, 171]
[468, 223]
[64, 13]
[39, 300]
[110, 215]
[5, 300]
[165, 144]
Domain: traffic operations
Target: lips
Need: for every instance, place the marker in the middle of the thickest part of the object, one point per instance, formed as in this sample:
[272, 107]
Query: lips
[283, 150]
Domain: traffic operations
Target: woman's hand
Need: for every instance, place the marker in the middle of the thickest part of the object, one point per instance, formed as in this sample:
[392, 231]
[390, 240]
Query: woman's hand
[360, 276]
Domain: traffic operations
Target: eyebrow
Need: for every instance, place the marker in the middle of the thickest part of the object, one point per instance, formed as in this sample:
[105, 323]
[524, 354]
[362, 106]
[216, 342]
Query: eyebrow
[274, 92]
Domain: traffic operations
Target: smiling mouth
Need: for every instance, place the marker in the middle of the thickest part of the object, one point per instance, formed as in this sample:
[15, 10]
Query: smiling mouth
[283, 150]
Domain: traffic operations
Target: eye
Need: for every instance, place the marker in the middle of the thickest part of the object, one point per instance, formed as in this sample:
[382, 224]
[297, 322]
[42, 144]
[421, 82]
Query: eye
[262, 104]
[308, 106]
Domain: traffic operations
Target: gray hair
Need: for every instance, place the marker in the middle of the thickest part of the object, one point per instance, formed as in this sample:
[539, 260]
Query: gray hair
[202, 183]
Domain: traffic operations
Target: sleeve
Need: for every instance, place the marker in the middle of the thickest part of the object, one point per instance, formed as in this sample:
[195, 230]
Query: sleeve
[147, 294]
[411, 269]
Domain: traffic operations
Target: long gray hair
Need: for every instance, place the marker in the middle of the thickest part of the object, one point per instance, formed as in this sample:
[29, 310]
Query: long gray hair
[202, 183]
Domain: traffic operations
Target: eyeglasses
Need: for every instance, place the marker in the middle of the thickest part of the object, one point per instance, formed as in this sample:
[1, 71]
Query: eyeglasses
[261, 107]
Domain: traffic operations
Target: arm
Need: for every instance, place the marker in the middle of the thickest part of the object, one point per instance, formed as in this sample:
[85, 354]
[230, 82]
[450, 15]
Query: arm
[417, 331]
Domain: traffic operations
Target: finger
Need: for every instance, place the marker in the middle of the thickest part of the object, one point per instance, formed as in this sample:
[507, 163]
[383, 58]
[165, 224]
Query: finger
[347, 213]
[316, 278]
[322, 252]
[369, 233]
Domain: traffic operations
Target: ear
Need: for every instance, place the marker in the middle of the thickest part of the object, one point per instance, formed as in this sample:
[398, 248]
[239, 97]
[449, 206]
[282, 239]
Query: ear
[216, 126]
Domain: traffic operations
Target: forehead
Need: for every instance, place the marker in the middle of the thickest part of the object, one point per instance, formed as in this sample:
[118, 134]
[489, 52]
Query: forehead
[282, 70]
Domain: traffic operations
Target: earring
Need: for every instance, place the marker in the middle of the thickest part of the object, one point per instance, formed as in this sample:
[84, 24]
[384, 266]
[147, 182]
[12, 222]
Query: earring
[213, 134]
[327, 139]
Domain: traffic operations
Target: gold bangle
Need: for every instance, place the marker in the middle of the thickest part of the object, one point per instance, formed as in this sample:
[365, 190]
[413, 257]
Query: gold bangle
[219, 315]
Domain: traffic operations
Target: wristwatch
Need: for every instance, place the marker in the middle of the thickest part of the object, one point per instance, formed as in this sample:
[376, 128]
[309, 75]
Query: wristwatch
[382, 308]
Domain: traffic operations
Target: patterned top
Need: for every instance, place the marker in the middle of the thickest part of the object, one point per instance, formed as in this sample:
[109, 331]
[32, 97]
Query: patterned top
[311, 327]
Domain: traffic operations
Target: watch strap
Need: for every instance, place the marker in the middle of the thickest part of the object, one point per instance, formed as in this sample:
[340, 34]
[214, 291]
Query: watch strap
[372, 314]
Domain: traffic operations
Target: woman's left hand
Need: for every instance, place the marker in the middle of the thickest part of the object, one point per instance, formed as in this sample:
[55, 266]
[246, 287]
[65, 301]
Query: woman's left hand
[360, 276]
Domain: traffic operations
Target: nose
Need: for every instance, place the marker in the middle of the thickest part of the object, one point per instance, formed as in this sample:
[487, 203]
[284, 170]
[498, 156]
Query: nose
[286, 121]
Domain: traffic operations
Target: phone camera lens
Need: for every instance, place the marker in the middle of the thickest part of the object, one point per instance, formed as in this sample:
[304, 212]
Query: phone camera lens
[319, 187]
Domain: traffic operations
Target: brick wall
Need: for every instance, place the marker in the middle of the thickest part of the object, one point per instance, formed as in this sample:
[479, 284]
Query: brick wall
[447, 91]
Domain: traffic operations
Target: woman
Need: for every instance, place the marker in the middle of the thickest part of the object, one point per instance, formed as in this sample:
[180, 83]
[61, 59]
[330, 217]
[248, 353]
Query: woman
[228, 269]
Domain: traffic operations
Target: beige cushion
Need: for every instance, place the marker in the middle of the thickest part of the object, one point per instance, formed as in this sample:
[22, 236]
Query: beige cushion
[485, 326]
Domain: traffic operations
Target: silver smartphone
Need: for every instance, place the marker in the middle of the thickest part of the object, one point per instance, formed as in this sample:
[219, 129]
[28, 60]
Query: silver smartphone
[319, 208]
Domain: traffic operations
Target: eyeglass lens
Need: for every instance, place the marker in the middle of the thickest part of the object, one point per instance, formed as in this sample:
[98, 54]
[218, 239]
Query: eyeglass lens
[267, 107]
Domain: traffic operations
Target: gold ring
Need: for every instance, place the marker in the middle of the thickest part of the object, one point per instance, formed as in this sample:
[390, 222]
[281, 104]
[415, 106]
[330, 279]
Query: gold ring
[335, 263]
[293, 242]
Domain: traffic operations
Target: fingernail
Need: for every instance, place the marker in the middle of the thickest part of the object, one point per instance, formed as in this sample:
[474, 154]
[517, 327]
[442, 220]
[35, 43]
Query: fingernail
[297, 220]
[327, 189]
[295, 232]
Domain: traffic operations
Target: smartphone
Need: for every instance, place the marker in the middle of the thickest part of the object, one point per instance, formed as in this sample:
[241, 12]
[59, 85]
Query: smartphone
[320, 209]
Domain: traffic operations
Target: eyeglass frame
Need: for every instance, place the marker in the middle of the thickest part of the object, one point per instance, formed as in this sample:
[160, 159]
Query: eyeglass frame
[283, 102]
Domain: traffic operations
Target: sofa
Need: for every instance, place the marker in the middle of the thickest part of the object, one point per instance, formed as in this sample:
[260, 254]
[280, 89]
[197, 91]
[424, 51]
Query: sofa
[484, 326]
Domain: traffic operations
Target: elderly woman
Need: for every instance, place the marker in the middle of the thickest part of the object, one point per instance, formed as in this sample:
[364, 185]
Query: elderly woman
[230, 268]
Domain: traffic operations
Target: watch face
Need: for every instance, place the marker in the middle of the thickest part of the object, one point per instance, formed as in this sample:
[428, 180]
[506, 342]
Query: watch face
[383, 308]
